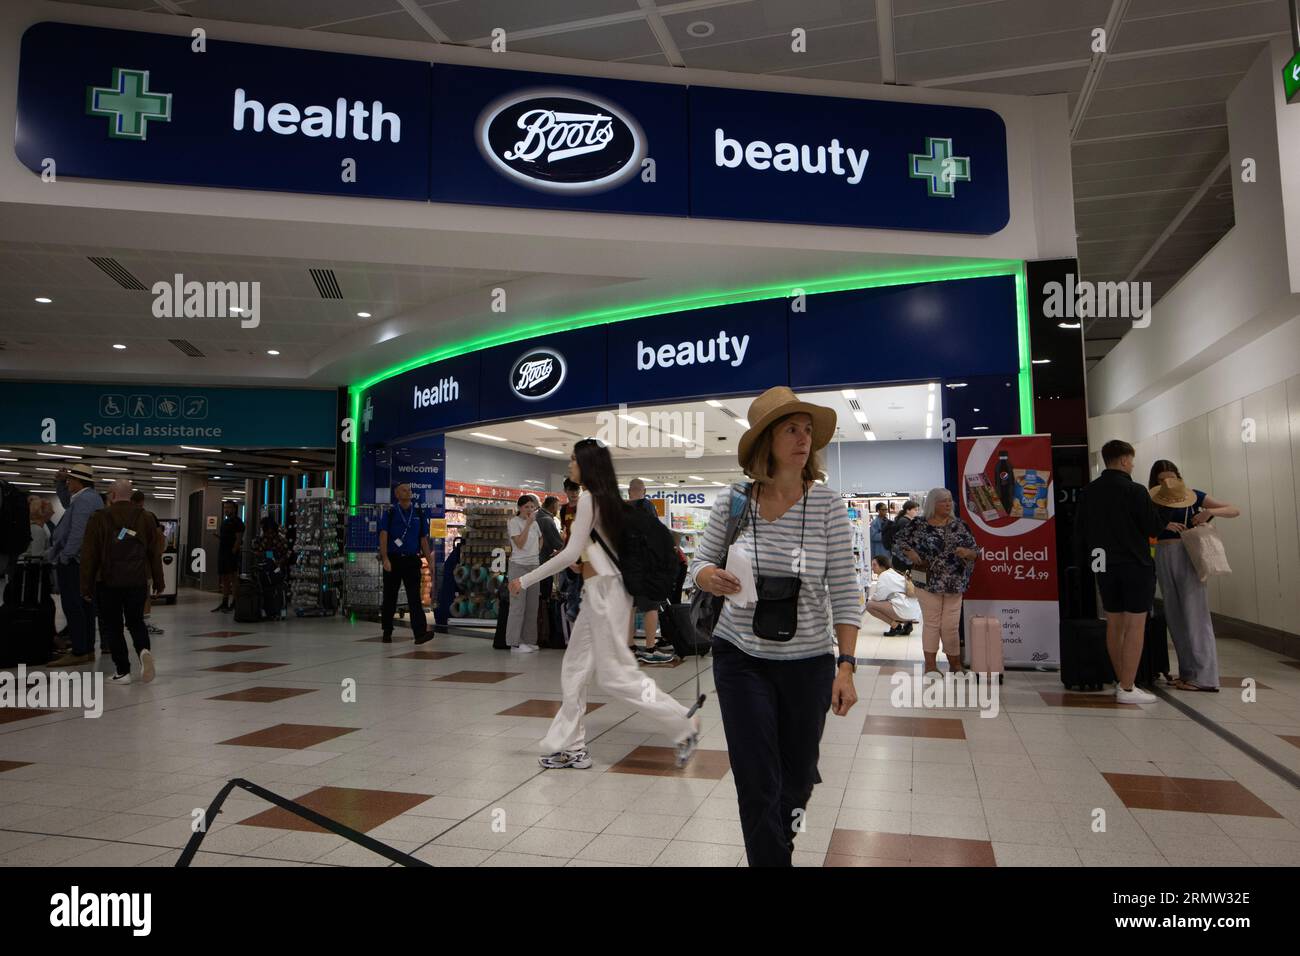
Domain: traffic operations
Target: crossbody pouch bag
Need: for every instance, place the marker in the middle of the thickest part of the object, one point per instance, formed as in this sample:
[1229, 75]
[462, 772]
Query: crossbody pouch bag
[776, 615]
[706, 608]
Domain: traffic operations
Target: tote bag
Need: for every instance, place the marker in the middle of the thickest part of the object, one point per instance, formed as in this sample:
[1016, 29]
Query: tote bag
[1205, 548]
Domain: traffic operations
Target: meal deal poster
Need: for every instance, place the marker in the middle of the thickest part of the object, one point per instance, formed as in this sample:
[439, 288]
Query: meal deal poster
[1009, 503]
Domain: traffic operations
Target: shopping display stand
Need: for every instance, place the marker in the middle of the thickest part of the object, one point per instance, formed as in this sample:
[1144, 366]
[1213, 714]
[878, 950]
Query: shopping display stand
[317, 584]
[484, 536]
[363, 578]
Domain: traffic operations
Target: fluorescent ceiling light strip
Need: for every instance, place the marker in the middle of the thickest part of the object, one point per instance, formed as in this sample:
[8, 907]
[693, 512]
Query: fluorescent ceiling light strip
[163, 464]
[197, 448]
[50, 454]
[533, 421]
[490, 437]
[118, 451]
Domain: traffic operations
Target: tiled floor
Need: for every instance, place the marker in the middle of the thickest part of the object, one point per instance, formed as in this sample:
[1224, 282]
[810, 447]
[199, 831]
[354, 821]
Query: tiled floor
[434, 753]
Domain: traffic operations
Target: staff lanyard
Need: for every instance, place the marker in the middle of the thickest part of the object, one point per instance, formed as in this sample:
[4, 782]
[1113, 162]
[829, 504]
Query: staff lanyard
[758, 517]
[406, 524]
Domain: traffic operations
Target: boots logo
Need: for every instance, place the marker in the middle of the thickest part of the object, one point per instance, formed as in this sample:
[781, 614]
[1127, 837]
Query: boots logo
[129, 104]
[561, 141]
[537, 374]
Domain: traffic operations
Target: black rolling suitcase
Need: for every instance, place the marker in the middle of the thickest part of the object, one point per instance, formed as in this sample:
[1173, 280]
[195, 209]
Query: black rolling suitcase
[248, 600]
[676, 625]
[27, 616]
[503, 614]
[1155, 651]
[1085, 661]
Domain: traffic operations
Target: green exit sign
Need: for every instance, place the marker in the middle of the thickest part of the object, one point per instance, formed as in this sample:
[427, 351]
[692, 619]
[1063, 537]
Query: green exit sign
[1291, 78]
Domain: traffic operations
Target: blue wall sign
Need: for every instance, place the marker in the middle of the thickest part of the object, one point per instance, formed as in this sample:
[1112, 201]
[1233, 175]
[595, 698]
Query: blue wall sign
[126, 105]
[430, 398]
[128, 414]
[869, 163]
[120, 104]
[543, 375]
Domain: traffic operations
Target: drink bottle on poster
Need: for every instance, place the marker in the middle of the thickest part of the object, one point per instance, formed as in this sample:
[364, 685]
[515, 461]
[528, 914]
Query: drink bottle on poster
[1008, 501]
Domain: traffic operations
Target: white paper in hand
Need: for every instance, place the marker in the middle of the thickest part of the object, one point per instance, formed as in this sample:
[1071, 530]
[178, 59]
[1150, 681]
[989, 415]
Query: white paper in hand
[738, 564]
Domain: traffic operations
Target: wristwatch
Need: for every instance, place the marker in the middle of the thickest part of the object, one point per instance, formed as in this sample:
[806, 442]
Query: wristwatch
[847, 659]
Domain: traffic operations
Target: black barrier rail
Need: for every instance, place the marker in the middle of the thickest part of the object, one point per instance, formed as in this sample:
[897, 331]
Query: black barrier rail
[357, 837]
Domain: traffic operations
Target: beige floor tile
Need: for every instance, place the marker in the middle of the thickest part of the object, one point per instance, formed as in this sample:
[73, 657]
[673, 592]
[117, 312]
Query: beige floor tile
[611, 848]
[686, 853]
[538, 841]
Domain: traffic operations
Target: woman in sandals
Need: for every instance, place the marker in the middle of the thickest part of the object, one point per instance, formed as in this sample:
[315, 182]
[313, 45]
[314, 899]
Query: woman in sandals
[598, 641]
[1186, 599]
[775, 667]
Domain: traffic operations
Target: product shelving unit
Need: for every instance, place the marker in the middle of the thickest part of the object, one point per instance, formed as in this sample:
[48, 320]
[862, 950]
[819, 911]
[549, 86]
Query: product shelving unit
[317, 585]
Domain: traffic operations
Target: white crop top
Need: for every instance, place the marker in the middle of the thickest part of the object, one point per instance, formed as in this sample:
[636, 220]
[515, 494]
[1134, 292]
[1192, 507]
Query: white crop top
[580, 546]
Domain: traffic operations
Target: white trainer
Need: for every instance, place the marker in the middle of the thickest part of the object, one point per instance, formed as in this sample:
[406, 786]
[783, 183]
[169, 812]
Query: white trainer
[1135, 696]
[524, 649]
[122, 679]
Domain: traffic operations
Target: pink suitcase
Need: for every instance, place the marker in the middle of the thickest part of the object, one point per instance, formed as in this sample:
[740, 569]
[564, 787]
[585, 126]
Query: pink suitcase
[985, 637]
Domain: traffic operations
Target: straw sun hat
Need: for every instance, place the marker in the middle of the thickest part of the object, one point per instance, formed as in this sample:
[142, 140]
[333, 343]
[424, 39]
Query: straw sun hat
[777, 403]
[1172, 493]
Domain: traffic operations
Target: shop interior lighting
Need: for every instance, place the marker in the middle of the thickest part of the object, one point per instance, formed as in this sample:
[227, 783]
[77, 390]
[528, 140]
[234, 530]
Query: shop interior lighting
[929, 419]
[929, 407]
[163, 464]
[777, 290]
[10, 472]
[533, 421]
[115, 451]
[860, 417]
[8, 459]
[929, 433]
[272, 351]
[976, 409]
[719, 484]
[695, 477]
[363, 315]
[215, 451]
[1042, 361]
[980, 428]
[849, 393]
[54, 454]
[74, 447]
[932, 385]
[553, 451]
[52, 471]
[714, 403]
[119, 346]
[871, 436]
[489, 437]
[742, 423]
[1069, 325]
[956, 384]
[43, 300]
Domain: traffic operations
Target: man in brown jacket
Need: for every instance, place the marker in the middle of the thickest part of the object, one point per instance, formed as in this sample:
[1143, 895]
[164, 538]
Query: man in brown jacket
[119, 555]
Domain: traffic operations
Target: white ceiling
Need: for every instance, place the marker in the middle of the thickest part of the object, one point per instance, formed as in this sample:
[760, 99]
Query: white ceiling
[1148, 138]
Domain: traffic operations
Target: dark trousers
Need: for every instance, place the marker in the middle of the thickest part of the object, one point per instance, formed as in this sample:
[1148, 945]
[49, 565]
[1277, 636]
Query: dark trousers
[115, 605]
[571, 586]
[406, 572]
[773, 713]
[80, 613]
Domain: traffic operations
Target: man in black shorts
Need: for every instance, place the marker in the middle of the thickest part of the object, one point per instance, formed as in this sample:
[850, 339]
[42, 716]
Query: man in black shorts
[1116, 520]
[230, 538]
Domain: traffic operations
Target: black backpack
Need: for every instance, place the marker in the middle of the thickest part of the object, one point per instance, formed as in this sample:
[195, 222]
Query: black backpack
[649, 558]
[15, 522]
[888, 533]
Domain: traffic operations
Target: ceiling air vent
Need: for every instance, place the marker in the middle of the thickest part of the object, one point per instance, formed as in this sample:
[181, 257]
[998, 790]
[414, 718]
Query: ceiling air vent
[188, 347]
[118, 273]
[327, 284]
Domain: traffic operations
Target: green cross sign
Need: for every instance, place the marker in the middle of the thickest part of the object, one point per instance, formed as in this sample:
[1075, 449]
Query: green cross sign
[129, 103]
[940, 167]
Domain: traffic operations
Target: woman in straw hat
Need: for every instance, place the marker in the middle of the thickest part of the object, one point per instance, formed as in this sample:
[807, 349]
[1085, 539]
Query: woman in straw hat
[775, 667]
[1187, 601]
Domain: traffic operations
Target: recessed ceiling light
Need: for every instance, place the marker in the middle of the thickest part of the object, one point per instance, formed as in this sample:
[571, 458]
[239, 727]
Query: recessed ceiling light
[272, 351]
[849, 393]
[553, 451]
[980, 428]
[929, 419]
[119, 346]
[956, 384]
[932, 386]
[929, 406]
[929, 433]
[1069, 325]
[43, 300]
[742, 423]
[1042, 361]
[700, 29]
[860, 417]
[714, 403]
[533, 421]
[230, 464]
[871, 436]
[719, 484]
[695, 477]
[363, 315]
[293, 461]
[976, 409]
[489, 437]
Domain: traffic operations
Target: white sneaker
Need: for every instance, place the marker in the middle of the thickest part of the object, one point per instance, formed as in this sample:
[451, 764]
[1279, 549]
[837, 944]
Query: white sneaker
[146, 666]
[122, 679]
[524, 649]
[1135, 696]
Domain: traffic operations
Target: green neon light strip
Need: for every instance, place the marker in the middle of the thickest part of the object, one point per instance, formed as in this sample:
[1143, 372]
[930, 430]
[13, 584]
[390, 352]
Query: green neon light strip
[548, 326]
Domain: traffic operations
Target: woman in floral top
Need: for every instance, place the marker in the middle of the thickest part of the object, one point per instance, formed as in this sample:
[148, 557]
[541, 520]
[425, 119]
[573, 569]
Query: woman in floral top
[942, 551]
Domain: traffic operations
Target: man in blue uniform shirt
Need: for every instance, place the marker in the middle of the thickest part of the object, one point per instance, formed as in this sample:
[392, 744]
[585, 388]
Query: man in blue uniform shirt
[403, 538]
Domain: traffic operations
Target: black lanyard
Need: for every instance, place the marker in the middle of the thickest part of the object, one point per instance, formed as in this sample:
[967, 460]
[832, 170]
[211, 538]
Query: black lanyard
[758, 517]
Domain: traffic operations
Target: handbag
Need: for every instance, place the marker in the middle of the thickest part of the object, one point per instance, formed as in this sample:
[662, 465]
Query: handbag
[1205, 548]
[706, 608]
[776, 615]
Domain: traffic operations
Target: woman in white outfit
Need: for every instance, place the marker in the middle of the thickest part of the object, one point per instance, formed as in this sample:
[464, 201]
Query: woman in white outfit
[892, 598]
[598, 641]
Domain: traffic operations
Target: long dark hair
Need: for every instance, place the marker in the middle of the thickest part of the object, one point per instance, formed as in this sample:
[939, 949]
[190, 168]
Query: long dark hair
[597, 470]
[1159, 468]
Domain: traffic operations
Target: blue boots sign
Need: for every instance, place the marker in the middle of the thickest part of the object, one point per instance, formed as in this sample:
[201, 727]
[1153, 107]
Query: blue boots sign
[143, 107]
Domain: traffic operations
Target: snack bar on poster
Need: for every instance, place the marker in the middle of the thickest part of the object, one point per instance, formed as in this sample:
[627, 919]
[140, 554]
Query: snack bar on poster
[1009, 504]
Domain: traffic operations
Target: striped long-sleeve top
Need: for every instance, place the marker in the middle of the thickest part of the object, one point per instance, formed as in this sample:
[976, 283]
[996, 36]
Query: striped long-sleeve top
[829, 592]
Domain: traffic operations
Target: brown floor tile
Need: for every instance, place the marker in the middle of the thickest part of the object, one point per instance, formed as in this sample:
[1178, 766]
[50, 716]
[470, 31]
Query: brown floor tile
[1293, 741]
[662, 762]
[538, 708]
[478, 677]
[942, 728]
[1187, 794]
[234, 648]
[1235, 682]
[265, 695]
[424, 656]
[1057, 698]
[359, 809]
[289, 736]
[10, 714]
[244, 667]
[13, 764]
[223, 633]
[898, 849]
